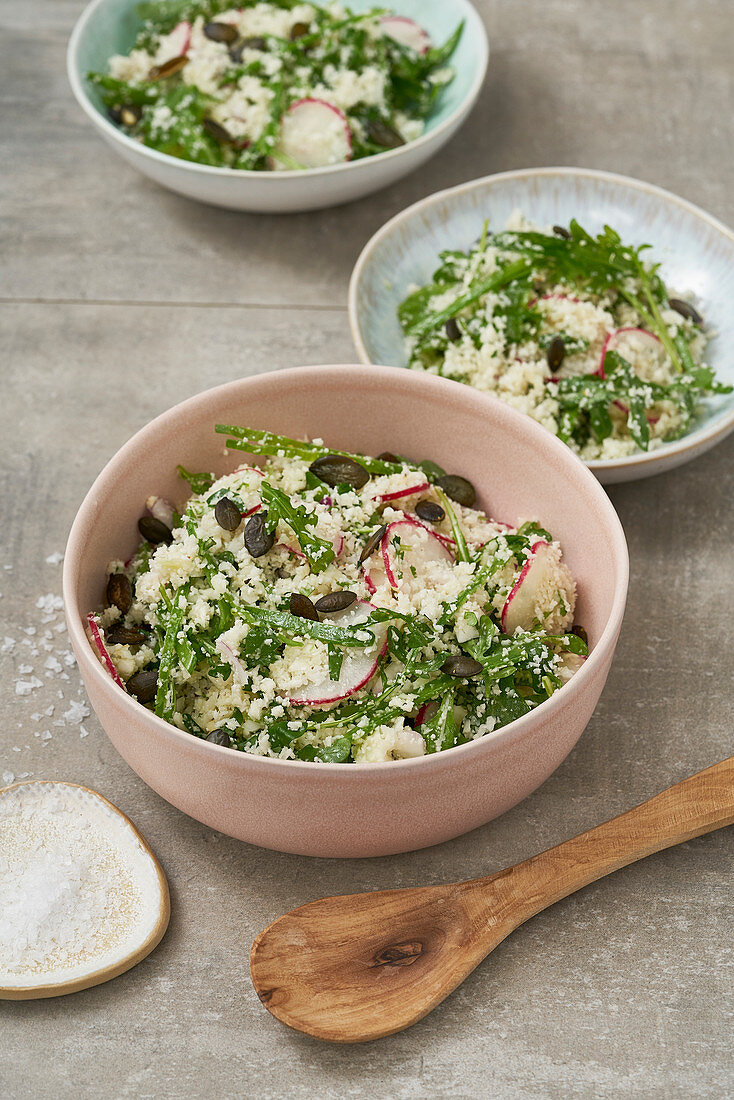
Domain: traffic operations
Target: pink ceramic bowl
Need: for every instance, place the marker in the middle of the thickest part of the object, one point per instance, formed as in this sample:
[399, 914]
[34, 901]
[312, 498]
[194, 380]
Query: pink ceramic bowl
[520, 471]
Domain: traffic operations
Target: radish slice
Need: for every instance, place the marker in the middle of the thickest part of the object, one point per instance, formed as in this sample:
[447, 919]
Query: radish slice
[400, 493]
[174, 44]
[291, 550]
[447, 541]
[251, 511]
[358, 666]
[161, 509]
[426, 712]
[623, 336]
[250, 470]
[313, 134]
[97, 641]
[540, 570]
[416, 553]
[407, 32]
[338, 543]
[228, 655]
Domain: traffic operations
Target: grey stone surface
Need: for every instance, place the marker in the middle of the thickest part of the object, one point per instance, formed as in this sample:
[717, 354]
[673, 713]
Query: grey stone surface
[120, 299]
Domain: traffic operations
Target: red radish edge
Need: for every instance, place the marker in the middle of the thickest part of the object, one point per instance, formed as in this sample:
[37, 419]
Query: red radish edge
[399, 493]
[160, 509]
[185, 27]
[421, 34]
[612, 336]
[523, 574]
[334, 110]
[98, 642]
[251, 511]
[447, 541]
[291, 550]
[351, 691]
[385, 546]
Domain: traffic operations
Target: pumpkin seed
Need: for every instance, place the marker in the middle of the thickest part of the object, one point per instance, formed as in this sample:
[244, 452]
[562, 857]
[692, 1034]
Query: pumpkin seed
[372, 543]
[126, 635]
[462, 667]
[227, 514]
[154, 530]
[302, 607]
[555, 353]
[168, 68]
[130, 114]
[219, 737]
[561, 231]
[383, 134]
[216, 131]
[335, 601]
[338, 470]
[120, 592]
[143, 685]
[220, 32]
[429, 511]
[388, 456]
[580, 633]
[258, 539]
[452, 330]
[253, 43]
[686, 310]
[458, 488]
[298, 30]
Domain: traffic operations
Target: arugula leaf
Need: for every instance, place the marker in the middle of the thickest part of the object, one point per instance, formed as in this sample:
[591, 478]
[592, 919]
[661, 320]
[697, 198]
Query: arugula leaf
[199, 483]
[319, 552]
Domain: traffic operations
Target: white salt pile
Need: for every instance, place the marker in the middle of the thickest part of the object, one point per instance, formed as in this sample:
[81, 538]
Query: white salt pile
[79, 892]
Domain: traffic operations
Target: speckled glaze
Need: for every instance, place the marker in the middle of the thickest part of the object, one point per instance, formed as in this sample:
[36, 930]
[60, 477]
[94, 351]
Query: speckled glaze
[696, 252]
[519, 469]
[107, 27]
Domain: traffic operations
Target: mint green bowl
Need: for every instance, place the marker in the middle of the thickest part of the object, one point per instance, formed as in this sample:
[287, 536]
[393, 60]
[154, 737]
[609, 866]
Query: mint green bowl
[107, 27]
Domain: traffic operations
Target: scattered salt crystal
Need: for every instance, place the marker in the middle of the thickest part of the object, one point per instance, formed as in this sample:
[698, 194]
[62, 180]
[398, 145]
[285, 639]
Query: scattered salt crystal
[49, 603]
[69, 658]
[60, 627]
[8, 645]
[46, 735]
[55, 558]
[7, 568]
[83, 731]
[8, 778]
[24, 670]
[25, 687]
[16, 748]
[53, 664]
[30, 630]
[76, 713]
[49, 710]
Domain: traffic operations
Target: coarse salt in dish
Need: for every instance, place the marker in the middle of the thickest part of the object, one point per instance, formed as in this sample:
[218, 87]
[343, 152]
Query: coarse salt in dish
[337, 608]
[82, 898]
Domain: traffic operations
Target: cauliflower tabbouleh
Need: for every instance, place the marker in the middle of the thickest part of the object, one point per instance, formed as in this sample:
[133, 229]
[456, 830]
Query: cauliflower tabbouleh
[335, 607]
[580, 332]
[274, 85]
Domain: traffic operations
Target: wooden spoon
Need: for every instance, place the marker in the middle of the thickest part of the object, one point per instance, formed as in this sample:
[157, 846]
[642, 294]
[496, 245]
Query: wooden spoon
[353, 968]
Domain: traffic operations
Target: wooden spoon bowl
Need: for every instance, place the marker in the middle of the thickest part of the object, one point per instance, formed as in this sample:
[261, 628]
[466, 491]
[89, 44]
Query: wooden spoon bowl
[359, 967]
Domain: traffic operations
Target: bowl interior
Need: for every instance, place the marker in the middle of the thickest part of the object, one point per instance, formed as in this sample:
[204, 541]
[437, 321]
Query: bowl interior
[520, 470]
[696, 253]
[110, 27]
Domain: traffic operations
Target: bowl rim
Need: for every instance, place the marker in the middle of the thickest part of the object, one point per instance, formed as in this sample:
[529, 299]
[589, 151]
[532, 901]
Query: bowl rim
[78, 87]
[75, 618]
[706, 433]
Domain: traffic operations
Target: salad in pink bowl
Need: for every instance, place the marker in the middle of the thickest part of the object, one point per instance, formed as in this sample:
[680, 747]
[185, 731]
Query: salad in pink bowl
[333, 607]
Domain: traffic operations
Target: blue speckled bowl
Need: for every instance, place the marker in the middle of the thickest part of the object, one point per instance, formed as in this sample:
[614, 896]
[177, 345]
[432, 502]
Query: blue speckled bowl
[107, 27]
[695, 250]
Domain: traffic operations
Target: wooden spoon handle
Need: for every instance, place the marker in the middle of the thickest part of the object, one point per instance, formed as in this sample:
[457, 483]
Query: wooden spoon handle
[698, 805]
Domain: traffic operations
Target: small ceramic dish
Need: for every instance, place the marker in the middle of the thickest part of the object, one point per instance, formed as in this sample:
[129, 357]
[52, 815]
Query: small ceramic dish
[695, 250]
[108, 27]
[81, 847]
[325, 809]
